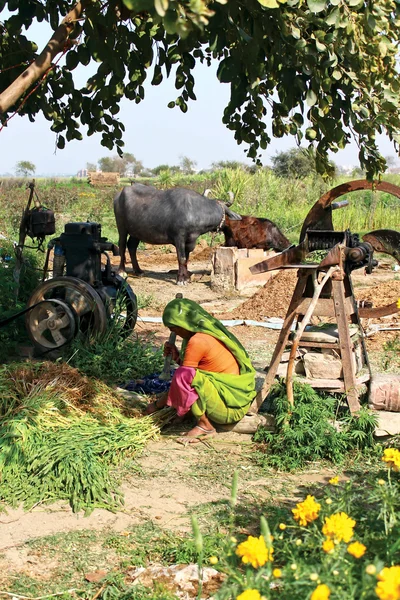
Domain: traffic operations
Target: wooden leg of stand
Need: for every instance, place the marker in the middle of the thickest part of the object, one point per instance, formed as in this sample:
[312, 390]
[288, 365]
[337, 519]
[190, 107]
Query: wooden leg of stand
[280, 346]
[346, 346]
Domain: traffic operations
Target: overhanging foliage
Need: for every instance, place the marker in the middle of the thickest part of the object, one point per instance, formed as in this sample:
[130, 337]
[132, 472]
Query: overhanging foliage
[327, 70]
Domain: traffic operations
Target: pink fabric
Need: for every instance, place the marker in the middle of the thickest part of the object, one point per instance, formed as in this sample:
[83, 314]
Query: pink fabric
[181, 395]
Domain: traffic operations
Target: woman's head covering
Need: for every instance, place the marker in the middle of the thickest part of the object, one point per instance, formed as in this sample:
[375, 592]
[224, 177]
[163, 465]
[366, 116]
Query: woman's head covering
[191, 316]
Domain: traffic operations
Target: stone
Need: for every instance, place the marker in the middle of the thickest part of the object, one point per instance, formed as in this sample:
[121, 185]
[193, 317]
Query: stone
[388, 423]
[322, 366]
[250, 424]
[385, 392]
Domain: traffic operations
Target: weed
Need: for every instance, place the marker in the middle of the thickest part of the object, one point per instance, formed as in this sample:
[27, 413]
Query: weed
[306, 432]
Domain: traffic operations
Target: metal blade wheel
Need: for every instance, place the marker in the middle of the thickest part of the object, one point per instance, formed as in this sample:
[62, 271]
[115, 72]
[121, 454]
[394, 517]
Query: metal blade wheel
[82, 302]
[125, 309]
[51, 324]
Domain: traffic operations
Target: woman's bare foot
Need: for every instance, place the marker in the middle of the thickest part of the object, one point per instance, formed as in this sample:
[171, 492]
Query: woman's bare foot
[202, 431]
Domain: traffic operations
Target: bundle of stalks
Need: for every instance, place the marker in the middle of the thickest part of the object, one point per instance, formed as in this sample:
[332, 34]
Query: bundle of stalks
[62, 434]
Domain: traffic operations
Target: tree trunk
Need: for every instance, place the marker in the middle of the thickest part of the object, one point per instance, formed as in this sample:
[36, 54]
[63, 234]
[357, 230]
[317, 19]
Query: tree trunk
[39, 67]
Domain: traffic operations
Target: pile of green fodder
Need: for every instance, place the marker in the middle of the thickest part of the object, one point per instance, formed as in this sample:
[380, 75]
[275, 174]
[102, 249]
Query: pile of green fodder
[62, 435]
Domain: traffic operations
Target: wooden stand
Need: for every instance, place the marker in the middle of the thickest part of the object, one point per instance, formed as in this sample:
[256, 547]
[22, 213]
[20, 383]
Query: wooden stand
[334, 298]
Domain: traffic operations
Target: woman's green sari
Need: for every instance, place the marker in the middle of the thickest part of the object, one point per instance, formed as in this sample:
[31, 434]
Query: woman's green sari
[235, 391]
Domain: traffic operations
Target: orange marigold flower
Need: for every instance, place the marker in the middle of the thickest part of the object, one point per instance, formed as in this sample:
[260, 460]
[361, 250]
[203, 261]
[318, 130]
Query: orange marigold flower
[391, 457]
[254, 551]
[306, 511]
[388, 587]
[321, 592]
[328, 546]
[339, 527]
[356, 549]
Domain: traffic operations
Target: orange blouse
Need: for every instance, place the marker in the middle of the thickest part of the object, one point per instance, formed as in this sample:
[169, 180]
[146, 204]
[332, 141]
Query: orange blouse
[209, 354]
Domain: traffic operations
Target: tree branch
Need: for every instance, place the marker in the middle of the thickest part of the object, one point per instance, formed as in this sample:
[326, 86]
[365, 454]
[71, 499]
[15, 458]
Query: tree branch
[43, 62]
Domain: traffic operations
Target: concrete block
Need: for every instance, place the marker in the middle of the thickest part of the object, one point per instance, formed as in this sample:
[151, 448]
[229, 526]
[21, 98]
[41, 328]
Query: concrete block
[244, 278]
[385, 392]
[223, 269]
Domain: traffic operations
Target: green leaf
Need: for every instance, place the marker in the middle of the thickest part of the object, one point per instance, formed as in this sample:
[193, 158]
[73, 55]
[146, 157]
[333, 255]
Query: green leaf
[311, 98]
[60, 142]
[333, 17]
[311, 134]
[161, 7]
[337, 74]
[269, 3]
[316, 6]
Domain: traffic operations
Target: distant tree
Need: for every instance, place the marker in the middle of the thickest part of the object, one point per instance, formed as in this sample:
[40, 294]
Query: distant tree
[173, 169]
[91, 167]
[187, 164]
[297, 162]
[116, 164]
[390, 163]
[357, 173]
[23, 168]
[228, 164]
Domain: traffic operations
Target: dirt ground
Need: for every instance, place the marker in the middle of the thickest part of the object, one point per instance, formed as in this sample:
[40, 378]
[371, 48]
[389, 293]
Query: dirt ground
[165, 490]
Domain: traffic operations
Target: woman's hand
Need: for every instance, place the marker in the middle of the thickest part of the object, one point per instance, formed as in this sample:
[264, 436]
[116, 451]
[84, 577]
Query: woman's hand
[172, 350]
[150, 408]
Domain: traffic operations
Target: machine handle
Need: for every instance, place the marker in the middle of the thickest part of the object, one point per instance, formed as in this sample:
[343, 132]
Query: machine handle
[166, 372]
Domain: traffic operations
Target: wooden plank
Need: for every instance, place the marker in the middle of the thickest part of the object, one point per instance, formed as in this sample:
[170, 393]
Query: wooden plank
[281, 344]
[332, 384]
[325, 307]
[346, 345]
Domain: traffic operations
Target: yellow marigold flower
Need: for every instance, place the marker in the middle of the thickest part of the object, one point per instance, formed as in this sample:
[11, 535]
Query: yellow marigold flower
[356, 549]
[381, 482]
[254, 551]
[388, 587]
[293, 566]
[249, 595]
[321, 592]
[298, 542]
[314, 576]
[391, 457]
[277, 573]
[339, 527]
[328, 501]
[306, 511]
[282, 526]
[335, 572]
[334, 480]
[328, 546]
[370, 569]
[213, 560]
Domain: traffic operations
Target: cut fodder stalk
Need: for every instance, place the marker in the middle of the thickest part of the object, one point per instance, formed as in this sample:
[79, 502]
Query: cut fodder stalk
[62, 444]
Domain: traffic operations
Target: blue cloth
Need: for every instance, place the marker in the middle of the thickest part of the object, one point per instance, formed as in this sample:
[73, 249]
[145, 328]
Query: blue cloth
[150, 384]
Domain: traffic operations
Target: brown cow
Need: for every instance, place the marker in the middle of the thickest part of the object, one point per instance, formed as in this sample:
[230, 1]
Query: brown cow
[254, 232]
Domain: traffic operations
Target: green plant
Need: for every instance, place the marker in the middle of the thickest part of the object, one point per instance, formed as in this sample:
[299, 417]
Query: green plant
[306, 431]
[13, 296]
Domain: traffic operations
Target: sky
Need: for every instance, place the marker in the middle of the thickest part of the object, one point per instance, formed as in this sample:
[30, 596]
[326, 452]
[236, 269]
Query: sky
[154, 133]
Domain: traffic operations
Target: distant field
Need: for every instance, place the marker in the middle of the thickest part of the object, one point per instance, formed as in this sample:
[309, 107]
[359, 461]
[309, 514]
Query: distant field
[285, 201]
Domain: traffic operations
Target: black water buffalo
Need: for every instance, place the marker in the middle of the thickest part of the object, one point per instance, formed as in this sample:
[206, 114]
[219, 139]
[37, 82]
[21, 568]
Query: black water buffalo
[177, 216]
[253, 232]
